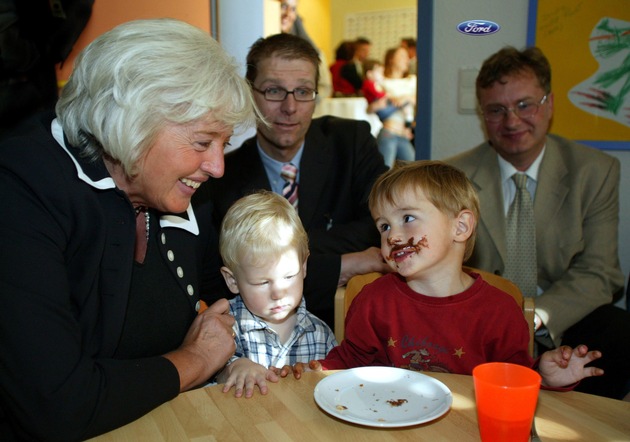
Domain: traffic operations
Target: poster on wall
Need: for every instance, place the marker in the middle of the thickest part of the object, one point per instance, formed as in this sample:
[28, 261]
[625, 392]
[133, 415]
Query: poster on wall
[383, 28]
[588, 46]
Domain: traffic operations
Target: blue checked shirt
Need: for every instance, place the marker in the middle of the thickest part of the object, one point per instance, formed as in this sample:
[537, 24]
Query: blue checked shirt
[311, 338]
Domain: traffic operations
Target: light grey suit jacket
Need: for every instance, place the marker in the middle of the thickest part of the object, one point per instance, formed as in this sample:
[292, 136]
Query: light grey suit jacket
[576, 208]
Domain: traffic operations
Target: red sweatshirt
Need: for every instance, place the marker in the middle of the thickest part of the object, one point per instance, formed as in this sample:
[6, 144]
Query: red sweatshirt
[389, 324]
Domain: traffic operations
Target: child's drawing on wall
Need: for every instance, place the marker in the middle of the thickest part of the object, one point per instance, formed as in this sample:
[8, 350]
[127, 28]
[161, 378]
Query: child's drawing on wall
[607, 92]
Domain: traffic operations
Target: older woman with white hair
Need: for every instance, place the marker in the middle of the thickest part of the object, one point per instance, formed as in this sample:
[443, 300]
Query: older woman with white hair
[104, 259]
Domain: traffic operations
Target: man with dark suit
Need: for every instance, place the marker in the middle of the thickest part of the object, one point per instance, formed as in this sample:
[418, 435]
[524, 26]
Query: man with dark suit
[337, 162]
[34, 37]
[575, 194]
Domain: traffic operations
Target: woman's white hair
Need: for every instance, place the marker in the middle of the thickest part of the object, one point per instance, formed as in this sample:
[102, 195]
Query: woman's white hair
[133, 79]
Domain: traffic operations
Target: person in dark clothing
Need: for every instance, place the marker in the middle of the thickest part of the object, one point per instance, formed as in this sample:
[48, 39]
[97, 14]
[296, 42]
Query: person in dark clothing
[335, 163]
[353, 70]
[34, 37]
[104, 257]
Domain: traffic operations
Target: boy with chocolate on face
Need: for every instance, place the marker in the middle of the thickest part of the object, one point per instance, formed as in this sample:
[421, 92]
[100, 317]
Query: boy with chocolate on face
[429, 315]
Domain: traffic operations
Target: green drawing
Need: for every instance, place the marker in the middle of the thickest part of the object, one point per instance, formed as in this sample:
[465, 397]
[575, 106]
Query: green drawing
[607, 93]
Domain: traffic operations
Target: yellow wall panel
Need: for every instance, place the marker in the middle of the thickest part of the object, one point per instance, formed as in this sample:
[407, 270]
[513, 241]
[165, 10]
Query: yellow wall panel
[586, 42]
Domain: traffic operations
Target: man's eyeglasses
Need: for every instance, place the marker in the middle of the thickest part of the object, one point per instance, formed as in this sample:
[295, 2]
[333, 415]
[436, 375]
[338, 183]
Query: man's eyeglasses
[280, 93]
[524, 109]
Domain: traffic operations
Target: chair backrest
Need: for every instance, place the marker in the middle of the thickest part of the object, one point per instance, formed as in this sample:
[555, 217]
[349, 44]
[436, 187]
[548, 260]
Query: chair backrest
[526, 303]
[345, 295]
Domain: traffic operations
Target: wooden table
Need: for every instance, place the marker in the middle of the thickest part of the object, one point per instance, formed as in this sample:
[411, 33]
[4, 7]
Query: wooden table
[289, 413]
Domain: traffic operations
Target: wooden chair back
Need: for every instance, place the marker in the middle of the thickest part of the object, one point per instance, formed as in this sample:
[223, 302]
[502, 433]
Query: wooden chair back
[345, 295]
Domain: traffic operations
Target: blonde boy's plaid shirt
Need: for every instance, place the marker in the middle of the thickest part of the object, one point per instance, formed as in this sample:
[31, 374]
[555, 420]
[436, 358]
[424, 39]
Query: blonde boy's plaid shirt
[311, 338]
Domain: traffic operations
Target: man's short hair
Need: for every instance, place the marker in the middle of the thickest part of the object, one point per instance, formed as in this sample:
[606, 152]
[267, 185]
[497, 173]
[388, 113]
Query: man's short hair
[445, 186]
[285, 46]
[409, 42]
[344, 51]
[510, 61]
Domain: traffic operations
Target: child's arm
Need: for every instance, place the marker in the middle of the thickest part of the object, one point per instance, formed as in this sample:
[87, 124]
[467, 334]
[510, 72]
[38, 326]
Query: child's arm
[565, 366]
[403, 100]
[378, 104]
[246, 374]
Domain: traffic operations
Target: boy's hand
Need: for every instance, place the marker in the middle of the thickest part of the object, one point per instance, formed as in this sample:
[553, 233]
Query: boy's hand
[565, 366]
[297, 369]
[301, 367]
[282, 372]
[244, 374]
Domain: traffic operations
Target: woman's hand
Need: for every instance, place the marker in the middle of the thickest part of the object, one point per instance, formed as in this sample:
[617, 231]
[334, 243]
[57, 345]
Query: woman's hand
[207, 346]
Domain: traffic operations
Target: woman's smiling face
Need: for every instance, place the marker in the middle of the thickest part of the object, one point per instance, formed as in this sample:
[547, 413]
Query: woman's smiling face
[181, 158]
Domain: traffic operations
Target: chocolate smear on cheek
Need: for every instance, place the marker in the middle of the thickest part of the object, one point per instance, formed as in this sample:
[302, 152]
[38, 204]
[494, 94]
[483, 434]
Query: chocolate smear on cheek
[423, 243]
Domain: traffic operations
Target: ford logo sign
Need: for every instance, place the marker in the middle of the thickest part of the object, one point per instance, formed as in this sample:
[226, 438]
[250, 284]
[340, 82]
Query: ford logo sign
[478, 27]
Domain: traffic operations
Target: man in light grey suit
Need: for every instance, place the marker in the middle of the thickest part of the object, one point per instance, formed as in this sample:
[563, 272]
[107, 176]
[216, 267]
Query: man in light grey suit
[575, 192]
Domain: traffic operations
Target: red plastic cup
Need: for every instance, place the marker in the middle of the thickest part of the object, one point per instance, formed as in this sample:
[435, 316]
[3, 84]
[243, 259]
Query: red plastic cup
[506, 396]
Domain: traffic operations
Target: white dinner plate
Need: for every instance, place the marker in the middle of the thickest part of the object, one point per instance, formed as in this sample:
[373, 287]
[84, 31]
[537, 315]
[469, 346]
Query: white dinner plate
[383, 396]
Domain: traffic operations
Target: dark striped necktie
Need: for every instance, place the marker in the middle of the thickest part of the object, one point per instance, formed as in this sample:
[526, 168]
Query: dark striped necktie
[290, 189]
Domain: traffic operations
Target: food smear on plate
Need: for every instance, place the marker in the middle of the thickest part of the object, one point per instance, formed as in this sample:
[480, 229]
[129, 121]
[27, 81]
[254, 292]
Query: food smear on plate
[397, 402]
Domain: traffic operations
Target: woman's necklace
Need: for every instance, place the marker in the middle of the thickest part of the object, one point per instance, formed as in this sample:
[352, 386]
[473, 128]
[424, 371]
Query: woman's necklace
[147, 218]
[142, 241]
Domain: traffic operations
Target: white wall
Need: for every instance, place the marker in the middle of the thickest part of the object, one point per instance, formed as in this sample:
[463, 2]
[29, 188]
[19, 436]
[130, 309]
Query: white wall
[238, 31]
[453, 132]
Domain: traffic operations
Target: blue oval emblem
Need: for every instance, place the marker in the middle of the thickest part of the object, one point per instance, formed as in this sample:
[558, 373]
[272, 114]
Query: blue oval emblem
[478, 27]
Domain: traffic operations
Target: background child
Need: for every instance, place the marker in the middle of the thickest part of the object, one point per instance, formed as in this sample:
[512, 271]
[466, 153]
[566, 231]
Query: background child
[374, 93]
[429, 315]
[264, 248]
[395, 137]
